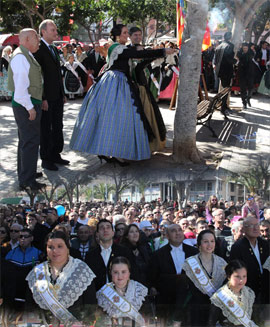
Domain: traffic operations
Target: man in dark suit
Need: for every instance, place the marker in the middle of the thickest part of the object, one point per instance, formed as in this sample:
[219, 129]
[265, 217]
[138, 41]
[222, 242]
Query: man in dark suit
[95, 61]
[52, 140]
[99, 258]
[223, 65]
[253, 251]
[167, 278]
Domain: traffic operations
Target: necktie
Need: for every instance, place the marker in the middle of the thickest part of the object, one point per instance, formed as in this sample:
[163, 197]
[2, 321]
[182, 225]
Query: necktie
[52, 50]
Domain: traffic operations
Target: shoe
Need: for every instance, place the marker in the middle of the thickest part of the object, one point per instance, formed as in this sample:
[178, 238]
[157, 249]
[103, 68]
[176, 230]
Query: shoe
[39, 175]
[107, 159]
[61, 161]
[49, 165]
[34, 186]
[248, 102]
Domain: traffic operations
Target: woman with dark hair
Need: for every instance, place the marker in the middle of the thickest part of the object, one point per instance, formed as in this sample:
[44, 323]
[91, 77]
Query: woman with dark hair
[232, 303]
[141, 251]
[63, 285]
[211, 204]
[122, 298]
[206, 275]
[111, 122]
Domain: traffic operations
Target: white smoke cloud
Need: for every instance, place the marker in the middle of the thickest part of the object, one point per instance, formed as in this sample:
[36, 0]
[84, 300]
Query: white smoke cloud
[217, 16]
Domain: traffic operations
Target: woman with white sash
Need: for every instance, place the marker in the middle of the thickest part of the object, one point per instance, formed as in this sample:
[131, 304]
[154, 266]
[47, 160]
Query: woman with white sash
[63, 285]
[123, 298]
[72, 77]
[206, 275]
[232, 303]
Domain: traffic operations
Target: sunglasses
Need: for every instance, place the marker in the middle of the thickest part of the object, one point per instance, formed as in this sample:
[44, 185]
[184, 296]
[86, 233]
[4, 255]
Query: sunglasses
[119, 229]
[14, 231]
[25, 236]
[3, 232]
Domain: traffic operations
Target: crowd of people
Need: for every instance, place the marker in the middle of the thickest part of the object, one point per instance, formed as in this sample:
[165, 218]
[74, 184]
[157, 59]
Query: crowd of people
[102, 264]
[245, 70]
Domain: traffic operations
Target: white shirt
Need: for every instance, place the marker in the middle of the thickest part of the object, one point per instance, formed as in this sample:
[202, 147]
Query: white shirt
[83, 221]
[105, 253]
[20, 68]
[257, 254]
[178, 256]
[264, 54]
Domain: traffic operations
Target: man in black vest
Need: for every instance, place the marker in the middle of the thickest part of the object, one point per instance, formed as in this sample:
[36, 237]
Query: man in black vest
[25, 81]
[52, 139]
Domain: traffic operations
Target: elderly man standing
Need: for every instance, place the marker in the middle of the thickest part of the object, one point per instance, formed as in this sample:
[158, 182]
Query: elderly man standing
[167, 277]
[52, 139]
[254, 251]
[221, 230]
[25, 82]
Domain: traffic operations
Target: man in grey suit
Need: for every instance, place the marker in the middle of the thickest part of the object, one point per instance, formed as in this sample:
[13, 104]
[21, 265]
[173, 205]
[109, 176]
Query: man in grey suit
[25, 81]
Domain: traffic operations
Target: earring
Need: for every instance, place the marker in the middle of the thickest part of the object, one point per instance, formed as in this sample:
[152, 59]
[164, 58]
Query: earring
[117, 39]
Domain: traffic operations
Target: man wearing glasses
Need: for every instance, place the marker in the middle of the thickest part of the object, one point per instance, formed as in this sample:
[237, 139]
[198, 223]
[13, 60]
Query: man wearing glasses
[20, 262]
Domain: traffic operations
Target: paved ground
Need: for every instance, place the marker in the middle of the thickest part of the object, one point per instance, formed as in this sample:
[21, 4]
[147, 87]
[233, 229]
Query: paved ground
[242, 140]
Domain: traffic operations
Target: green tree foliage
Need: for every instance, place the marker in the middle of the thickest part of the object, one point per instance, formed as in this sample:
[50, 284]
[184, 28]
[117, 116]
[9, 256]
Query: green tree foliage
[90, 14]
[140, 12]
[18, 14]
[102, 191]
[256, 180]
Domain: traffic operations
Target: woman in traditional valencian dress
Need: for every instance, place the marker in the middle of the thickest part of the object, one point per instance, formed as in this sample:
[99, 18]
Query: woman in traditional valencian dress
[264, 87]
[123, 298]
[111, 122]
[63, 285]
[4, 62]
[72, 77]
[206, 275]
[232, 303]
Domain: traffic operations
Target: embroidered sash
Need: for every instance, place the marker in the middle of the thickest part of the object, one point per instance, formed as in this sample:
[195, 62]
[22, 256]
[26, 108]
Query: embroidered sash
[235, 309]
[174, 69]
[199, 274]
[57, 309]
[121, 304]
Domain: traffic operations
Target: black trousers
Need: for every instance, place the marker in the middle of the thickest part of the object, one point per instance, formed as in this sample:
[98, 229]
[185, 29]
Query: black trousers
[52, 139]
[246, 87]
[29, 140]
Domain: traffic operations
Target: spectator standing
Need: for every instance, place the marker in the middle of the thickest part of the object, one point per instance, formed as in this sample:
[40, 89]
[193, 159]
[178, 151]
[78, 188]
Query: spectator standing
[221, 230]
[83, 241]
[25, 81]
[52, 139]
[228, 241]
[224, 60]
[253, 250]
[250, 208]
[4, 63]
[246, 73]
[167, 278]
[21, 260]
[99, 258]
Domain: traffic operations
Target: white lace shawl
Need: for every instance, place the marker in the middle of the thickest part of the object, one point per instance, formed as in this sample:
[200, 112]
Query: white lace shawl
[72, 282]
[115, 53]
[247, 296]
[135, 295]
[266, 265]
[218, 274]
